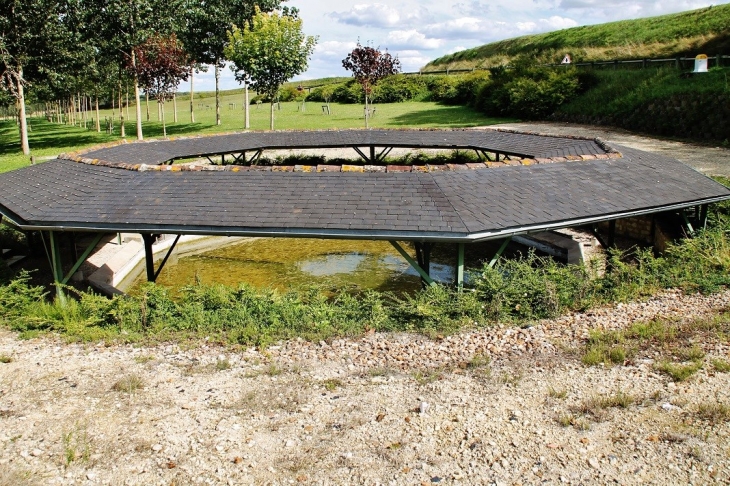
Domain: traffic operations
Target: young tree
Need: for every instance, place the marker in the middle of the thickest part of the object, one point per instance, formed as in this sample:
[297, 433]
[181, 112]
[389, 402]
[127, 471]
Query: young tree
[161, 63]
[204, 32]
[368, 66]
[271, 51]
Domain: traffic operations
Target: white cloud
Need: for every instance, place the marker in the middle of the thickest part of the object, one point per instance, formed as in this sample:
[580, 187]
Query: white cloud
[411, 60]
[411, 39]
[333, 50]
[375, 15]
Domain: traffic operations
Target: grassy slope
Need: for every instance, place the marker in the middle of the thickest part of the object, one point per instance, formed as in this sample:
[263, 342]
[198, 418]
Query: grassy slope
[687, 33]
[50, 139]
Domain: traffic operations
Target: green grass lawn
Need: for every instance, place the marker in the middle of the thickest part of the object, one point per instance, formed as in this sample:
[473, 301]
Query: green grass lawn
[49, 139]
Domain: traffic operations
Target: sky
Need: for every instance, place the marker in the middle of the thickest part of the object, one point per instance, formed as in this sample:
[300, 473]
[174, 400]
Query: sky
[418, 31]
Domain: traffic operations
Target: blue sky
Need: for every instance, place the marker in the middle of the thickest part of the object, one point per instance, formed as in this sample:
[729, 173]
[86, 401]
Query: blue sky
[419, 31]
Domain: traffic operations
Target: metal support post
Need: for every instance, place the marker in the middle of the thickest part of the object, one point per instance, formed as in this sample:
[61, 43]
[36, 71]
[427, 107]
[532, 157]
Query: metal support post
[149, 256]
[152, 274]
[164, 260]
[425, 276]
[423, 257]
[56, 266]
[611, 233]
[690, 229]
[82, 258]
[703, 216]
[373, 159]
[460, 267]
[499, 252]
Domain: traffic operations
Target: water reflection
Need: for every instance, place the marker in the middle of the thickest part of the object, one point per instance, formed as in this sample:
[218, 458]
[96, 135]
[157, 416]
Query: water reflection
[283, 263]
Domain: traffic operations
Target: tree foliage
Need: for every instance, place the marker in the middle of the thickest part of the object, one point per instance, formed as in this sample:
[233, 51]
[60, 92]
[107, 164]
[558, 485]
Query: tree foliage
[368, 66]
[271, 50]
[161, 63]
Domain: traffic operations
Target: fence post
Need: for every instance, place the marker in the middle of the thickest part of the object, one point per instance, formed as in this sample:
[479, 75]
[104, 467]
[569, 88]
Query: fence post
[615, 64]
[643, 63]
[718, 61]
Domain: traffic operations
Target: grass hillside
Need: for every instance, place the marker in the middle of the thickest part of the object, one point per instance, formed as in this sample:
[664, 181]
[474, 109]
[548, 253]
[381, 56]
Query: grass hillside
[688, 33]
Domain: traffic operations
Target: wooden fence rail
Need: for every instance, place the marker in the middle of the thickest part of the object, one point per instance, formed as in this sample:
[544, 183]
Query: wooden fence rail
[679, 63]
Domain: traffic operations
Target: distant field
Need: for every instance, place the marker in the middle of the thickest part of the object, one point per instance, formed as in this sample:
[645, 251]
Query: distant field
[50, 139]
[687, 33]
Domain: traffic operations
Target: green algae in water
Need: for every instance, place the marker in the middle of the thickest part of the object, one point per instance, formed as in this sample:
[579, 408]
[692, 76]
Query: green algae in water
[283, 263]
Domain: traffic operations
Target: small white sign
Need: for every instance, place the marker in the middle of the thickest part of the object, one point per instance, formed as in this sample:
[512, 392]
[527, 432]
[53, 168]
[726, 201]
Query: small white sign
[700, 64]
[566, 59]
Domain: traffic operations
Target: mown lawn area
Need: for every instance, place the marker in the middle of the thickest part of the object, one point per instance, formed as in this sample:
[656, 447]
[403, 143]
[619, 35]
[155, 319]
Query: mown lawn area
[49, 139]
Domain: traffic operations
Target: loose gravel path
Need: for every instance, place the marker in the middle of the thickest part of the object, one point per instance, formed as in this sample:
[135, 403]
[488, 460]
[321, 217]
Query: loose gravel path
[499, 405]
[708, 159]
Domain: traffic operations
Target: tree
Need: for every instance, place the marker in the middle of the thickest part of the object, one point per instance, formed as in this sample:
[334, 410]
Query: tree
[368, 66]
[271, 50]
[204, 32]
[118, 26]
[34, 39]
[161, 63]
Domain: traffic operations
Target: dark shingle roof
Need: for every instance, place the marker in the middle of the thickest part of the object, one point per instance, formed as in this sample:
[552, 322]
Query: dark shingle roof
[519, 144]
[460, 205]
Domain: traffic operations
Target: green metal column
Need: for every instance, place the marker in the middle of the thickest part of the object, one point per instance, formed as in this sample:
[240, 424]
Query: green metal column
[690, 228]
[500, 251]
[703, 216]
[460, 267]
[425, 276]
[56, 266]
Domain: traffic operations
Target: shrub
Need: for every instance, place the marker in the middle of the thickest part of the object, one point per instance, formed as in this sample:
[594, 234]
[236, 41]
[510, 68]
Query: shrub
[399, 88]
[349, 92]
[533, 92]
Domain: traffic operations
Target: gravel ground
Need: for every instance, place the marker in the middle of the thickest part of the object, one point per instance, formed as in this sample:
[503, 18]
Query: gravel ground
[708, 159]
[480, 407]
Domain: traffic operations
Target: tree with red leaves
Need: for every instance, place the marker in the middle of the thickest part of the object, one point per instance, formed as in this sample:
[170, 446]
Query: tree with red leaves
[368, 66]
[161, 63]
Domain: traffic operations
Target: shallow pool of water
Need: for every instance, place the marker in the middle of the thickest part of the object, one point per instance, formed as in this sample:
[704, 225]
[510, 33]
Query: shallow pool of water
[282, 263]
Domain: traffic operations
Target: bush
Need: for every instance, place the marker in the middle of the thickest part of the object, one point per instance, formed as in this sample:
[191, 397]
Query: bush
[531, 93]
[461, 89]
[399, 88]
[349, 92]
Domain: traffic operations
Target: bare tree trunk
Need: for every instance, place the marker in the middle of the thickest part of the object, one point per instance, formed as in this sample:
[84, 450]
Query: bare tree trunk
[192, 112]
[98, 123]
[161, 103]
[23, 122]
[174, 108]
[136, 98]
[126, 86]
[367, 112]
[159, 111]
[147, 103]
[271, 118]
[217, 93]
[246, 105]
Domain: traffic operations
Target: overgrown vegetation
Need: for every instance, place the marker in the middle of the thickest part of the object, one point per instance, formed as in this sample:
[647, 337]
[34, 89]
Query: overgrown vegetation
[514, 290]
[684, 33]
